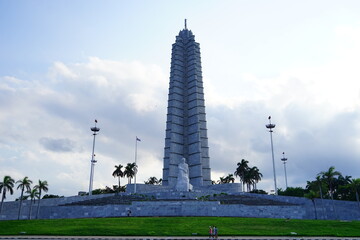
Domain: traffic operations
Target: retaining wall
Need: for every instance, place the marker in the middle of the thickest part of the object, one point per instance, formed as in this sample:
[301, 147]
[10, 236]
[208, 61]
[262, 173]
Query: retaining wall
[174, 205]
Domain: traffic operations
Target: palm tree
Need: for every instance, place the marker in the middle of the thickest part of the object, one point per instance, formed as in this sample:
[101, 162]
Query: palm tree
[6, 185]
[42, 186]
[118, 173]
[340, 189]
[33, 194]
[130, 171]
[248, 180]
[355, 185]
[24, 183]
[222, 180]
[312, 195]
[329, 176]
[256, 176]
[153, 181]
[320, 184]
[230, 178]
[240, 170]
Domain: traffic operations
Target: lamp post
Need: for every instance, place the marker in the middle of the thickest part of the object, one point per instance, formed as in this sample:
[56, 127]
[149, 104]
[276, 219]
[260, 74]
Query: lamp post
[284, 159]
[271, 126]
[93, 161]
[136, 140]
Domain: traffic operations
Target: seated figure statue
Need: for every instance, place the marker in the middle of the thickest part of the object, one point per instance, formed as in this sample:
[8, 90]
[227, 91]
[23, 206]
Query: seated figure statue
[183, 183]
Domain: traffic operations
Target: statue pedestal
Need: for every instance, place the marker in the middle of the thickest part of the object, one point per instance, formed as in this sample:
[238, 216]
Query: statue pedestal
[183, 186]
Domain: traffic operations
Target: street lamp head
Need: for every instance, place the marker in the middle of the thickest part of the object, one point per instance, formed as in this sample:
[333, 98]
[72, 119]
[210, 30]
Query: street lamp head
[95, 129]
[284, 159]
[270, 125]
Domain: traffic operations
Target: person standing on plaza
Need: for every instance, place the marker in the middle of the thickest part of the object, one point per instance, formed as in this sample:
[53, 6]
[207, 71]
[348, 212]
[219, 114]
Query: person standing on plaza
[210, 232]
[215, 232]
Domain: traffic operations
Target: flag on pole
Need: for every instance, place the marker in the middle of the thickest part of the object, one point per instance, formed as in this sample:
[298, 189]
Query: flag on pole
[138, 139]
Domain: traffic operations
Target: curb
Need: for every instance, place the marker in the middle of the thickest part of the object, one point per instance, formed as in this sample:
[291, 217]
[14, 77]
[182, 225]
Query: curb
[167, 238]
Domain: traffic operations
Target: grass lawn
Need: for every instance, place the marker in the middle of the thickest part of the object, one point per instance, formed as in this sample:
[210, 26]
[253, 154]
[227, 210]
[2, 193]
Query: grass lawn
[180, 226]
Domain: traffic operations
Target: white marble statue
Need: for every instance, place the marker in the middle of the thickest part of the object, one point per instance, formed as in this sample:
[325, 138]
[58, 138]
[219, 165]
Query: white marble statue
[183, 183]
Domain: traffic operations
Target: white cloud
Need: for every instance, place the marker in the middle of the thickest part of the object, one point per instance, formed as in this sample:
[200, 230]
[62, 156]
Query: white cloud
[315, 107]
[48, 135]
[60, 69]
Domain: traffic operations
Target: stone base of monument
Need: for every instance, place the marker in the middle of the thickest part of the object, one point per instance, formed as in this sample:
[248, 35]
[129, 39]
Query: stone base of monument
[194, 203]
[174, 203]
[216, 188]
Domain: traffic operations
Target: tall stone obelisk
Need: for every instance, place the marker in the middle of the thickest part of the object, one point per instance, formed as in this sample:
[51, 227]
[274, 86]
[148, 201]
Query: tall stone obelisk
[186, 132]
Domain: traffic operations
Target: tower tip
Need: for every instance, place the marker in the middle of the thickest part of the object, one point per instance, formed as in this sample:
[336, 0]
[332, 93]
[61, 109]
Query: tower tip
[185, 23]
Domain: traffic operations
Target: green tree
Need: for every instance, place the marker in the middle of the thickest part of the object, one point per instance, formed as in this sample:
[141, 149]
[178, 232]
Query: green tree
[255, 175]
[242, 168]
[130, 171]
[318, 186]
[222, 180]
[228, 179]
[329, 176]
[248, 180]
[41, 186]
[355, 186]
[342, 192]
[292, 191]
[119, 189]
[153, 181]
[118, 173]
[258, 191]
[98, 191]
[6, 185]
[47, 196]
[312, 195]
[23, 184]
[109, 190]
[33, 194]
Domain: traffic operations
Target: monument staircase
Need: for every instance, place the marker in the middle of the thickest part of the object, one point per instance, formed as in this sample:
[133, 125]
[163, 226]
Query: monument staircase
[247, 200]
[110, 200]
[221, 198]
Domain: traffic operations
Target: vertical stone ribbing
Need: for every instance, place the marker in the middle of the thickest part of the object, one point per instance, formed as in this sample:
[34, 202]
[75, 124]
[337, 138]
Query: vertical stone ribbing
[186, 132]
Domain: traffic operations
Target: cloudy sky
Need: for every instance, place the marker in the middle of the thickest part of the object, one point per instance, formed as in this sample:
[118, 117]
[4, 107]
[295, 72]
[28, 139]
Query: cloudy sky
[65, 63]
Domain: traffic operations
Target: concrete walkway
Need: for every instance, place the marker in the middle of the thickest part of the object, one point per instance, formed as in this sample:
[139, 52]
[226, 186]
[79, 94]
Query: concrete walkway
[162, 238]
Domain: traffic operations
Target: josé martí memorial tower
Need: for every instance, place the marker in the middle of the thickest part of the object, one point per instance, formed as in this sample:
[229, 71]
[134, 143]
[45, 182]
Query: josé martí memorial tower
[186, 132]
